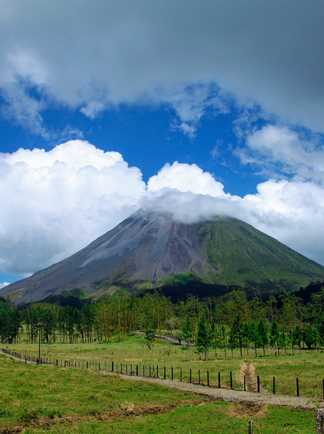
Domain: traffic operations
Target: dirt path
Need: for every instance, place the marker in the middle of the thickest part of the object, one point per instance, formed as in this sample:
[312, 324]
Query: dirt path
[217, 394]
[231, 395]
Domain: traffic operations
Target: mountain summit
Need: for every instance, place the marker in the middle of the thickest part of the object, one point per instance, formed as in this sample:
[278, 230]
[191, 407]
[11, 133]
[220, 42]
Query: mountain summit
[148, 249]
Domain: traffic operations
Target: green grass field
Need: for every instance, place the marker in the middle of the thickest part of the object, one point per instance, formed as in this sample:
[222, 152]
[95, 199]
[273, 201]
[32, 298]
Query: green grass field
[308, 366]
[45, 399]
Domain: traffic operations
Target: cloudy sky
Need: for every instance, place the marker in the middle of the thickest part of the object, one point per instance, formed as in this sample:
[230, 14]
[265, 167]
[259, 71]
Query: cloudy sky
[197, 107]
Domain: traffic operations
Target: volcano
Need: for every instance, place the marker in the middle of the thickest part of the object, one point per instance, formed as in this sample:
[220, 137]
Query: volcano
[149, 250]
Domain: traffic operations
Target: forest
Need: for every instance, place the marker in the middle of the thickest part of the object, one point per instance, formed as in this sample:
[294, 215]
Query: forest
[229, 321]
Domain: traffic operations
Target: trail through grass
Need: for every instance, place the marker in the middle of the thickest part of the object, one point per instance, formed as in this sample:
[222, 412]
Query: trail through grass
[45, 399]
[307, 365]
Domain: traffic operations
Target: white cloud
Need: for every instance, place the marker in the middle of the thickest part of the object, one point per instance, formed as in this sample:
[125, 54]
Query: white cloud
[3, 284]
[190, 104]
[117, 52]
[185, 178]
[291, 211]
[23, 109]
[286, 151]
[92, 109]
[55, 202]
[191, 207]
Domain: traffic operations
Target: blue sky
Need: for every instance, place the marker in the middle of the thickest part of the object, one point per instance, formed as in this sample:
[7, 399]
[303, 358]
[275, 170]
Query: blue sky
[147, 138]
[236, 98]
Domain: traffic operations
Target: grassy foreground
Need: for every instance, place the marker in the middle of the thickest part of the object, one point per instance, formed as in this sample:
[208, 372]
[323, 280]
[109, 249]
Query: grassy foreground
[307, 365]
[44, 399]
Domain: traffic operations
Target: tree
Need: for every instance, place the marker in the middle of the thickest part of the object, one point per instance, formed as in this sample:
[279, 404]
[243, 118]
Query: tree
[9, 322]
[311, 336]
[263, 335]
[149, 338]
[203, 341]
[236, 335]
[282, 340]
[186, 331]
[274, 335]
[297, 337]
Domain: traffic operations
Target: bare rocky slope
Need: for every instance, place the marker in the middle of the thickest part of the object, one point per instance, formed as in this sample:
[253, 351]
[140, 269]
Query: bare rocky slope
[150, 249]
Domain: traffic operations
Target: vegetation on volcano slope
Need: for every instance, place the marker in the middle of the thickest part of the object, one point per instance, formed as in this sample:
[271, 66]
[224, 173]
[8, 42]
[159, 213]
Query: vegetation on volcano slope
[235, 246]
[149, 247]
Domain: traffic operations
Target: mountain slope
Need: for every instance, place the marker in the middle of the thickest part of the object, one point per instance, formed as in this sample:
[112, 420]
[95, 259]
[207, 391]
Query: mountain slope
[147, 248]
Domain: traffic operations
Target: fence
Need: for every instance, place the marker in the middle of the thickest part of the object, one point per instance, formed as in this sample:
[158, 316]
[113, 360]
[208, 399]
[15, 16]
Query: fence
[193, 376]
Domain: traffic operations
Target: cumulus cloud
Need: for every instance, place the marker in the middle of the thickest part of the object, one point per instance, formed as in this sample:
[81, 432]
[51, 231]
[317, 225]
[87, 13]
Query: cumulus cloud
[285, 151]
[292, 212]
[121, 52]
[55, 202]
[185, 178]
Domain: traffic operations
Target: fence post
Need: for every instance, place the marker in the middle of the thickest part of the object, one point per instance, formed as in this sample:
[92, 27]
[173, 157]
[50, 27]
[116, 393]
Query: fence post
[172, 373]
[157, 371]
[164, 372]
[320, 420]
[297, 387]
[219, 380]
[198, 376]
[112, 366]
[258, 384]
[180, 375]
[207, 374]
[190, 375]
[274, 385]
[250, 427]
[231, 380]
[244, 383]
[136, 370]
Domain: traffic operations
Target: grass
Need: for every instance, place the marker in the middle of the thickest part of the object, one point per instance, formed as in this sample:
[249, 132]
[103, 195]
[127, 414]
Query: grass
[307, 365]
[44, 399]
[207, 418]
[29, 392]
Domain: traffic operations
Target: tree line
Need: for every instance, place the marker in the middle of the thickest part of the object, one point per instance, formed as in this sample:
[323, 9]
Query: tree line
[232, 321]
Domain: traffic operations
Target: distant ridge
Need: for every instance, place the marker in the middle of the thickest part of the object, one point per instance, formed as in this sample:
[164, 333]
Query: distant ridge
[151, 249]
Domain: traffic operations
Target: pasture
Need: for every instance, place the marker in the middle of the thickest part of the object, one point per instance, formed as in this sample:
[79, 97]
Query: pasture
[46, 399]
[307, 366]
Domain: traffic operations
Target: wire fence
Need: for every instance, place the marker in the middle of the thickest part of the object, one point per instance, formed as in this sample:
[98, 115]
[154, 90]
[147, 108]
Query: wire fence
[203, 377]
